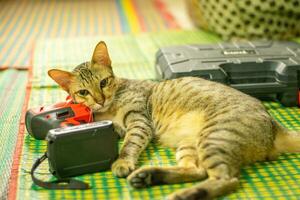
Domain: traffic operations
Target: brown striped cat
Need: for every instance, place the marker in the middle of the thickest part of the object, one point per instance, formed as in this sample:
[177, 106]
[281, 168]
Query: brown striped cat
[215, 129]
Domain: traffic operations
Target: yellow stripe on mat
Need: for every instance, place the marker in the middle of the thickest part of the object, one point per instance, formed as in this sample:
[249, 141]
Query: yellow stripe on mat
[131, 16]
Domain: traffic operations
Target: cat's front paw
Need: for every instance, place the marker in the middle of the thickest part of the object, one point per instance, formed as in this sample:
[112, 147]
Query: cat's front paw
[122, 168]
[142, 177]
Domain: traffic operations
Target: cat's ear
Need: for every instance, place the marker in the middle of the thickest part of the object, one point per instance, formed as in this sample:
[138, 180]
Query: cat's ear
[63, 78]
[100, 55]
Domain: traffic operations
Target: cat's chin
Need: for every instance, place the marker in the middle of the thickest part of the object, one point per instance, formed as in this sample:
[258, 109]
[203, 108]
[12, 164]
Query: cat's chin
[97, 108]
[100, 110]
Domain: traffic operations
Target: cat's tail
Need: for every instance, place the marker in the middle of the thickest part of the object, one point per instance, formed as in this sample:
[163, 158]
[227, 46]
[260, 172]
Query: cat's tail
[286, 141]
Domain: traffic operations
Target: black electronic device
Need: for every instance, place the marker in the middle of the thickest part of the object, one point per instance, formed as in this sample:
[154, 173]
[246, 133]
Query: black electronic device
[78, 150]
[263, 69]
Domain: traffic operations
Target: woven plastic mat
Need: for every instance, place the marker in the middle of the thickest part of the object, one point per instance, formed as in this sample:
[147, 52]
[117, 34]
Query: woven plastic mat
[265, 180]
[12, 92]
[23, 22]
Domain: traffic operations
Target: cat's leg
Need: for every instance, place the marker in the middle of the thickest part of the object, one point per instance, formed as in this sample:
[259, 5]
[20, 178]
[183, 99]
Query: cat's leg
[186, 171]
[119, 130]
[222, 174]
[138, 135]
[208, 189]
[220, 182]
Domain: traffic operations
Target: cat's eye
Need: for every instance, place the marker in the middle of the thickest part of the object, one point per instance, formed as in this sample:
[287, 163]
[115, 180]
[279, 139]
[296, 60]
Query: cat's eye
[83, 92]
[103, 83]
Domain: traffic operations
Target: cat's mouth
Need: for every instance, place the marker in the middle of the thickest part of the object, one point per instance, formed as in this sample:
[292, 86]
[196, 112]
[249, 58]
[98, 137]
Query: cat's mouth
[96, 107]
[101, 108]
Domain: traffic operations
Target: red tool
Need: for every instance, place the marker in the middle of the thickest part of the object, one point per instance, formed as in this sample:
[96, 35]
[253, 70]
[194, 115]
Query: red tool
[40, 120]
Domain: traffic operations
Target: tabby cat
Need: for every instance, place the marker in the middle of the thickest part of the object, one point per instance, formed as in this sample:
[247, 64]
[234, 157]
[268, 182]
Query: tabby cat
[215, 129]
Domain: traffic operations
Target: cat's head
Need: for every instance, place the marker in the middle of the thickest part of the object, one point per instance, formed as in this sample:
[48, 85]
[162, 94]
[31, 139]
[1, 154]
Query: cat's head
[91, 83]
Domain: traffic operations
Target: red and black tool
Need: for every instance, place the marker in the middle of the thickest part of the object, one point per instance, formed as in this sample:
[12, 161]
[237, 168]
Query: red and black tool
[40, 120]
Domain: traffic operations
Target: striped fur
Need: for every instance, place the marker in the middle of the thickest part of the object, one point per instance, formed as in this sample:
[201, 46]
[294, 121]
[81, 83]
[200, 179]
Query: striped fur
[214, 129]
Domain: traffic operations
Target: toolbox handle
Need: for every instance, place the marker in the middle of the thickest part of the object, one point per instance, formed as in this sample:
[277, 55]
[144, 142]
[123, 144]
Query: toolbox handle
[60, 184]
[260, 85]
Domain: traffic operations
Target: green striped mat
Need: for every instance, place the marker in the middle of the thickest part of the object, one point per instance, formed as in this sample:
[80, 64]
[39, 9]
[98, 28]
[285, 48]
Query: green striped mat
[12, 92]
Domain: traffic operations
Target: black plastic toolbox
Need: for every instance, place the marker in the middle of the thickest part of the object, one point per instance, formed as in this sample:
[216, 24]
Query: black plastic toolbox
[264, 69]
